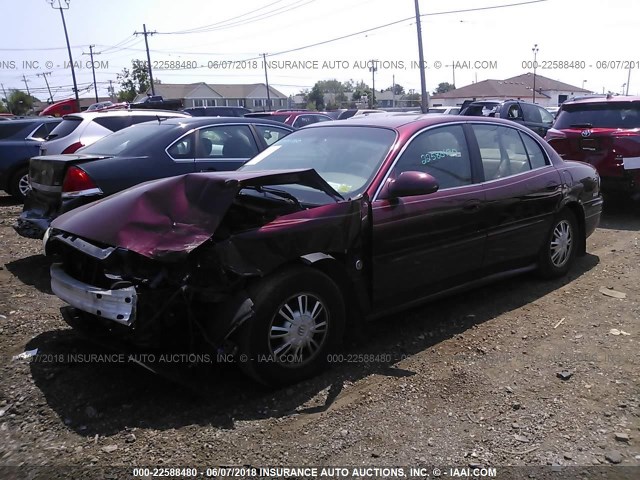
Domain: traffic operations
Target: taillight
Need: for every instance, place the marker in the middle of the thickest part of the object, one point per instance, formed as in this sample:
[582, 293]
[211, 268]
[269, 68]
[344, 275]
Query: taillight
[77, 182]
[73, 147]
[553, 134]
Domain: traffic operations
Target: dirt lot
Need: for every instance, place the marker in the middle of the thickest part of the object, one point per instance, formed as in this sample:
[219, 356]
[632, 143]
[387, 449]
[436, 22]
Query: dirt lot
[471, 380]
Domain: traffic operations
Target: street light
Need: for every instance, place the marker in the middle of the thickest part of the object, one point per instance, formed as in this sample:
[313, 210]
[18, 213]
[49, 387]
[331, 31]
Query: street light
[66, 35]
[583, 82]
[623, 85]
[373, 69]
[535, 64]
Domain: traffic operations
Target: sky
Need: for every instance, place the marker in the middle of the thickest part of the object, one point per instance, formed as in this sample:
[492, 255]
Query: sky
[581, 42]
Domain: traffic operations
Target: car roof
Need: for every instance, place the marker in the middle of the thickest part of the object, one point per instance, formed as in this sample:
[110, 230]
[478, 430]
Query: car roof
[123, 112]
[603, 100]
[27, 121]
[200, 121]
[408, 120]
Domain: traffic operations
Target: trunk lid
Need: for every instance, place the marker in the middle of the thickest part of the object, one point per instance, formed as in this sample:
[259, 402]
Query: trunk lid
[46, 174]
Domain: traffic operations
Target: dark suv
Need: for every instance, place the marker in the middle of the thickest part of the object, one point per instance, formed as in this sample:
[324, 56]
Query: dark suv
[217, 111]
[605, 133]
[528, 114]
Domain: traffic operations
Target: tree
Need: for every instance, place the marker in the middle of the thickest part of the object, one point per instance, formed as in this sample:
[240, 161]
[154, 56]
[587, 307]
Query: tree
[444, 87]
[19, 103]
[413, 99]
[134, 81]
[316, 97]
[397, 89]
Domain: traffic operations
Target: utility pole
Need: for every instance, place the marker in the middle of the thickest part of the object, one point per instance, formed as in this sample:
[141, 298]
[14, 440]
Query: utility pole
[424, 103]
[535, 65]
[266, 79]
[47, 82]
[24, 79]
[66, 36]
[628, 81]
[146, 44]
[93, 70]
[373, 69]
[111, 92]
[393, 90]
[6, 98]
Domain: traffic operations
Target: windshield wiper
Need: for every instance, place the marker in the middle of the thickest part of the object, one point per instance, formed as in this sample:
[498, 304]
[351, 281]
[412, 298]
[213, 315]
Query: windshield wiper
[278, 193]
[581, 125]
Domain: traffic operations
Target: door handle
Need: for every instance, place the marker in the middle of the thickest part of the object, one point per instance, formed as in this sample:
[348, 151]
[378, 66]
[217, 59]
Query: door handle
[471, 206]
[552, 186]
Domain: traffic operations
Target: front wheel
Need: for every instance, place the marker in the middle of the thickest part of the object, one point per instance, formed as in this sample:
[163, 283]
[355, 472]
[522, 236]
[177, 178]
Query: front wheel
[299, 318]
[19, 185]
[559, 251]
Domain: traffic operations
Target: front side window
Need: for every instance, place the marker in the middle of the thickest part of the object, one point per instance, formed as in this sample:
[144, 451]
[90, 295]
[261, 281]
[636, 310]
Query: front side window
[184, 148]
[441, 152]
[502, 151]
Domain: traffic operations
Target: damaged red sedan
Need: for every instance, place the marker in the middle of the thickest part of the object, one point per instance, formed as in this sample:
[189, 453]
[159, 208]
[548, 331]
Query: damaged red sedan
[333, 224]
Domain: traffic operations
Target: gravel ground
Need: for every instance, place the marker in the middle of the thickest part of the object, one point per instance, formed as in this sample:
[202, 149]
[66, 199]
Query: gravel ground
[519, 373]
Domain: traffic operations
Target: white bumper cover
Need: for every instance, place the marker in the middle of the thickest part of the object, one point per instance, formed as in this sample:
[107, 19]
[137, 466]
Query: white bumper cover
[117, 305]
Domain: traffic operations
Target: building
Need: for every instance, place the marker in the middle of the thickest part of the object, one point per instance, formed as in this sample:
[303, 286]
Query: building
[549, 92]
[252, 96]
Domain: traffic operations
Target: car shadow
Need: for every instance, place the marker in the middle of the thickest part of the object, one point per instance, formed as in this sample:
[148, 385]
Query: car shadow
[96, 390]
[34, 271]
[620, 213]
[9, 201]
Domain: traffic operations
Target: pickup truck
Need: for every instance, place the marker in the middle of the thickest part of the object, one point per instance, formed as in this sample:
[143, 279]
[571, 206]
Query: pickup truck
[156, 101]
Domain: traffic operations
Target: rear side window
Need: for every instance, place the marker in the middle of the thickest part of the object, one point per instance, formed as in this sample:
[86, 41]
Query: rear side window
[41, 132]
[589, 115]
[9, 129]
[114, 123]
[502, 151]
[271, 134]
[64, 128]
[537, 158]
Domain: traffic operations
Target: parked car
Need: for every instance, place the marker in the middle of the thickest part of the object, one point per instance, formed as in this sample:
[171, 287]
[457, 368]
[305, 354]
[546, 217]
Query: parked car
[108, 105]
[604, 132]
[355, 112]
[295, 118]
[337, 222]
[553, 110]
[19, 141]
[142, 152]
[158, 102]
[217, 111]
[61, 108]
[528, 114]
[444, 110]
[82, 129]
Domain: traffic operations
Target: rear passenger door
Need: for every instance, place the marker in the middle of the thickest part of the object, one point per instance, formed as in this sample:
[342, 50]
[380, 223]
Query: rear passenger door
[223, 147]
[522, 191]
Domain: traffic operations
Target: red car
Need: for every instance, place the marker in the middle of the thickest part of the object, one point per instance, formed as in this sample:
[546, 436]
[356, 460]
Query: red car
[604, 132]
[295, 118]
[334, 223]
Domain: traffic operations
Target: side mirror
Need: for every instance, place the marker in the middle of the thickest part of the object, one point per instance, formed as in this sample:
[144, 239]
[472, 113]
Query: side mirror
[412, 183]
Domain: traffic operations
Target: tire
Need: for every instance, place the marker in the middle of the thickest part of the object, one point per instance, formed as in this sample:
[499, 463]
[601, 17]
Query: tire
[559, 250]
[19, 184]
[294, 352]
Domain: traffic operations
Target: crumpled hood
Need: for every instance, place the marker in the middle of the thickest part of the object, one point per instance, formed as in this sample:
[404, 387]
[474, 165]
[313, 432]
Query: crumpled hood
[176, 214]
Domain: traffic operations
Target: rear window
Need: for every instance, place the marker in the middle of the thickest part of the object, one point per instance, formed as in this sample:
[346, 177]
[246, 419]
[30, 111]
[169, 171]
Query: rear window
[9, 129]
[64, 128]
[124, 140]
[594, 115]
[114, 123]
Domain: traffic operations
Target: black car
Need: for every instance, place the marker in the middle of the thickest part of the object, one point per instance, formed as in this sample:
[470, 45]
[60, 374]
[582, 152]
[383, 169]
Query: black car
[136, 154]
[217, 111]
[19, 141]
[528, 114]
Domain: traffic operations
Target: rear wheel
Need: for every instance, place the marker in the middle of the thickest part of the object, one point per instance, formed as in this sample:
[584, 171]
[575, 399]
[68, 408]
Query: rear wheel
[19, 185]
[559, 251]
[299, 318]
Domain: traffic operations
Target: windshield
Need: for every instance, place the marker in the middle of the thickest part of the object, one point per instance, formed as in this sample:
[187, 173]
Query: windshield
[124, 140]
[347, 157]
[608, 115]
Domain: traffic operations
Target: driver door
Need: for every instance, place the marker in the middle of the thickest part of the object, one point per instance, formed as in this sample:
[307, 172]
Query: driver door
[428, 243]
